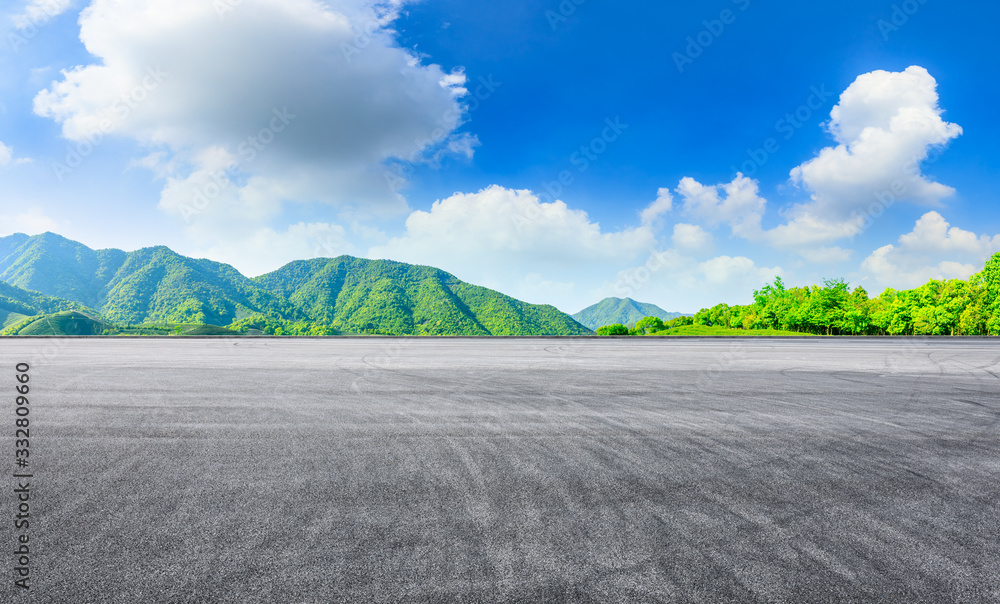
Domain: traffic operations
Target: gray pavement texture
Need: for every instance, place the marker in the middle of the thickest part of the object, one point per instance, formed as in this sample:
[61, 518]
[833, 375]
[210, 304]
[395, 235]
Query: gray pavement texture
[509, 470]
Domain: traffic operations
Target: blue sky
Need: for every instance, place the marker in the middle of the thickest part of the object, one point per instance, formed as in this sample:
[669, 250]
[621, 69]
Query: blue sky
[255, 132]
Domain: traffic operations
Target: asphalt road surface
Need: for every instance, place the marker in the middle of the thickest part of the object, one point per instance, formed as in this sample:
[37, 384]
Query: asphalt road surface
[506, 470]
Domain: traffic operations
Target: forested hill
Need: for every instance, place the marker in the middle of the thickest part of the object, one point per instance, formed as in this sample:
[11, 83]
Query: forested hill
[939, 307]
[327, 296]
[17, 304]
[57, 266]
[382, 296]
[620, 310]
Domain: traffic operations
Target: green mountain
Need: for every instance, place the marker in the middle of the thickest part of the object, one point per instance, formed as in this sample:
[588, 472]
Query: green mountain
[323, 296]
[147, 285]
[17, 304]
[620, 310]
[57, 266]
[158, 285]
[382, 296]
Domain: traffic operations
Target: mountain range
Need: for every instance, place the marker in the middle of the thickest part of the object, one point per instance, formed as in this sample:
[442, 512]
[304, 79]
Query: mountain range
[620, 310]
[48, 273]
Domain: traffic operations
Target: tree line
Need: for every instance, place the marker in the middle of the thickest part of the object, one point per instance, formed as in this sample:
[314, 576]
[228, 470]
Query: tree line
[939, 307]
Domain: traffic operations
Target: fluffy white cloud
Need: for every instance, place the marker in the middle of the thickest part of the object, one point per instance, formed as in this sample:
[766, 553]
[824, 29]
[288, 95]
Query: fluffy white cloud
[726, 269]
[31, 222]
[39, 12]
[310, 97]
[807, 229]
[916, 258]
[677, 282]
[516, 224]
[831, 255]
[739, 205]
[888, 268]
[885, 124]
[266, 249]
[932, 233]
[7, 156]
[234, 222]
[691, 237]
[736, 204]
[497, 236]
[663, 205]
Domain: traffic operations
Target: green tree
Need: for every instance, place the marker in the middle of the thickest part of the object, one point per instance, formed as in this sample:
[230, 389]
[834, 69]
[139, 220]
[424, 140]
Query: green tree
[616, 329]
[648, 325]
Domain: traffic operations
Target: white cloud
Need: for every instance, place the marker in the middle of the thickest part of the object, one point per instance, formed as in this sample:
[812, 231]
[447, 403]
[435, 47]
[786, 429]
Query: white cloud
[7, 156]
[663, 205]
[885, 124]
[829, 255]
[267, 249]
[726, 269]
[932, 233]
[741, 207]
[676, 282]
[807, 229]
[39, 12]
[916, 258]
[692, 237]
[297, 97]
[887, 267]
[497, 236]
[31, 222]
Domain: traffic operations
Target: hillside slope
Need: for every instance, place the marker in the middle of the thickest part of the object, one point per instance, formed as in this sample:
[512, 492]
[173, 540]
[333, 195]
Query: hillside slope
[620, 310]
[157, 285]
[382, 296]
[148, 285]
[57, 266]
[16, 304]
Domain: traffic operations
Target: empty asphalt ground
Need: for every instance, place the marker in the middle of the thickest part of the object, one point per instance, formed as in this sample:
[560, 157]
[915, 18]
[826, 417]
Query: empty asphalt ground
[508, 470]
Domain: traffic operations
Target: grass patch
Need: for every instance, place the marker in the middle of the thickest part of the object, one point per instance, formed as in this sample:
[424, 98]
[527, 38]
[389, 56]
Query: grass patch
[10, 318]
[67, 323]
[704, 330]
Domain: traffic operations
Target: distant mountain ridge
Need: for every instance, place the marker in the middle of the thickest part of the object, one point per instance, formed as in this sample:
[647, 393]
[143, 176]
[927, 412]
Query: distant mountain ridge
[57, 266]
[355, 294]
[620, 310]
[157, 285]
